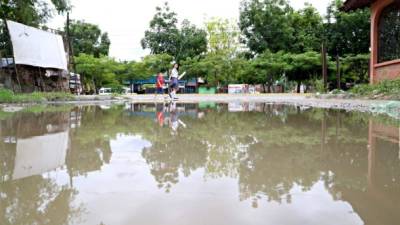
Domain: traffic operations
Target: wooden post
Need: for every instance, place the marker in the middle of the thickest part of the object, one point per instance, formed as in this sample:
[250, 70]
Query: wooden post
[12, 53]
[324, 66]
[338, 72]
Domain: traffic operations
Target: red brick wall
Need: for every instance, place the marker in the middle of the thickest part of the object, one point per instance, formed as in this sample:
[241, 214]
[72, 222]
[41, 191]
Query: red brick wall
[387, 72]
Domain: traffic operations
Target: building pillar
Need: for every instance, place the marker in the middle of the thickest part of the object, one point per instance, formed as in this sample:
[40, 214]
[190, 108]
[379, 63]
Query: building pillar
[376, 10]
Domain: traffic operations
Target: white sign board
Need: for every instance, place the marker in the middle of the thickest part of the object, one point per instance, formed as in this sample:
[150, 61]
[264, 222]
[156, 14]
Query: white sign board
[236, 88]
[35, 47]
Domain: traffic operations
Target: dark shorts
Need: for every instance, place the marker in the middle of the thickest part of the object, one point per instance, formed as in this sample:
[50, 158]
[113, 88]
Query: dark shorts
[160, 90]
[174, 83]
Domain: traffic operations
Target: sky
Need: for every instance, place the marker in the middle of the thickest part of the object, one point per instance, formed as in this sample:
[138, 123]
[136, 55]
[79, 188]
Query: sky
[126, 20]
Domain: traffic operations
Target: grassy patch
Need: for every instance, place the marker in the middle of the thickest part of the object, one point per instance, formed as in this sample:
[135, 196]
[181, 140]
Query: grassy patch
[47, 109]
[388, 88]
[7, 96]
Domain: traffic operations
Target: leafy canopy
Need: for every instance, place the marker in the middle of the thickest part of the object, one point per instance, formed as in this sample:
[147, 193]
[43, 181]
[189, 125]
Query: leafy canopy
[87, 38]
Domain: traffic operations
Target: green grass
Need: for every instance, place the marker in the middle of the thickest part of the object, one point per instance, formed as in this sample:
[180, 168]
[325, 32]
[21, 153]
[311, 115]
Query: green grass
[7, 96]
[388, 88]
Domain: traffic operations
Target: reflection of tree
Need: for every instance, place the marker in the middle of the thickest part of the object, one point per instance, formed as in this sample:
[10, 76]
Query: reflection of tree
[37, 200]
[270, 152]
[177, 154]
[90, 143]
[33, 200]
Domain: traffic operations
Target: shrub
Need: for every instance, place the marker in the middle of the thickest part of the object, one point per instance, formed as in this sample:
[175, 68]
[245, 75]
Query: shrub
[319, 86]
[386, 87]
[7, 96]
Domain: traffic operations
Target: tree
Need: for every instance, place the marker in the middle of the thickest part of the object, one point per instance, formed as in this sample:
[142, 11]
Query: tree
[88, 39]
[163, 35]
[157, 63]
[265, 69]
[98, 72]
[347, 32]
[223, 37]
[355, 68]
[308, 30]
[266, 25]
[32, 12]
[192, 41]
[303, 66]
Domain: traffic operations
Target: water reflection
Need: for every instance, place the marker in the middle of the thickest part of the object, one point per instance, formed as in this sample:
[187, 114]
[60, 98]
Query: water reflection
[33, 146]
[54, 165]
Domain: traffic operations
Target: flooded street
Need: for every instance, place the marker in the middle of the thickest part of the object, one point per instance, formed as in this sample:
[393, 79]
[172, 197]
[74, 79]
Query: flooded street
[198, 164]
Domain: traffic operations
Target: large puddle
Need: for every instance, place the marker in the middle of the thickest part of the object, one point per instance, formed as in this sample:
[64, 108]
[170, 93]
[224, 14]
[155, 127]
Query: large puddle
[198, 164]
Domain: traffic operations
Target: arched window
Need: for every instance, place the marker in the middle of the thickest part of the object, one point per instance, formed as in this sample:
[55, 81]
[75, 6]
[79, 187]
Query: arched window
[389, 33]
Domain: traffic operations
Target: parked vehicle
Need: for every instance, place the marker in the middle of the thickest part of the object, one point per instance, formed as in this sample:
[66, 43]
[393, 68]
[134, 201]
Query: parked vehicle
[105, 91]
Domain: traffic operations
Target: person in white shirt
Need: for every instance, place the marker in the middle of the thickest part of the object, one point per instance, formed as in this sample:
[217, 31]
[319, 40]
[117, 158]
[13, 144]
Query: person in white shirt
[174, 83]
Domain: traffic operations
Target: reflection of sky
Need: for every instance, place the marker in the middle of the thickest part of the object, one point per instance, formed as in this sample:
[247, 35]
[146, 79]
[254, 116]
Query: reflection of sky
[124, 192]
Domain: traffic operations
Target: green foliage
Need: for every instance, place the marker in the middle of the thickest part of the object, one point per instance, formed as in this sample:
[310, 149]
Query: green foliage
[88, 39]
[163, 33]
[164, 37]
[389, 88]
[215, 68]
[192, 41]
[222, 64]
[99, 72]
[319, 85]
[7, 96]
[308, 29]
[223, 36]
[265, 25]
[32, 12]
[355, 68]
[343, 28]
[157, 63]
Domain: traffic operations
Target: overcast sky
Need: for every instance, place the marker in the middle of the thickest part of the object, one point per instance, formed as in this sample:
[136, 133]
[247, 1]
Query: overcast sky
[126, 20]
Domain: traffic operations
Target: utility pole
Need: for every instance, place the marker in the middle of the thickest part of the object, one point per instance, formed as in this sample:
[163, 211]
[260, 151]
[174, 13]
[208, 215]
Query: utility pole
[324, 65]
[71, 55]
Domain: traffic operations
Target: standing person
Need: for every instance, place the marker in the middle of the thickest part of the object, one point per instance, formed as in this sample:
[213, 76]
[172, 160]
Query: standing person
[174, 83]
[160, 84]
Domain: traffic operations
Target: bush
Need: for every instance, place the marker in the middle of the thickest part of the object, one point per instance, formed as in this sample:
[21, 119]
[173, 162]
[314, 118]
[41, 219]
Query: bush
[7, 96]
[319, 86]
[386, 87]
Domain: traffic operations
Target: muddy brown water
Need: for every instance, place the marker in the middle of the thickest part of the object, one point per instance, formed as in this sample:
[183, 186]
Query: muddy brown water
[198, 164]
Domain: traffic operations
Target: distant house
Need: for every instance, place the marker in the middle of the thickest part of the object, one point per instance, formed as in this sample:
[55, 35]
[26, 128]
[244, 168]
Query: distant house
[385, 37]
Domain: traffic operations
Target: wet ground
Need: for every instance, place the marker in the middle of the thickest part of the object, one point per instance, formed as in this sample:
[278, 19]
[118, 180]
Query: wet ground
[207, 163]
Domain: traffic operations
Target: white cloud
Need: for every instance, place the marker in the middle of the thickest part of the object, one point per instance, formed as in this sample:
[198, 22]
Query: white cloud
[126, 20]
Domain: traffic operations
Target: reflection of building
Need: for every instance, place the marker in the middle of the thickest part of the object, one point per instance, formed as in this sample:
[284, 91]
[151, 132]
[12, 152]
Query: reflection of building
[383, 188]
[385, 32]
[41, 154]
[380, 133]
[34, 144]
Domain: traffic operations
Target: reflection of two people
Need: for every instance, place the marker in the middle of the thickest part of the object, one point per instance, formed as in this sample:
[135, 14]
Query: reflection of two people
[168, 115]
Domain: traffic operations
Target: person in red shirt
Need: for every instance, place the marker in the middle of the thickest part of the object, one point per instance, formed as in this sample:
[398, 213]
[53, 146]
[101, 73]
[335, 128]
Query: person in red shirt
[160, 84]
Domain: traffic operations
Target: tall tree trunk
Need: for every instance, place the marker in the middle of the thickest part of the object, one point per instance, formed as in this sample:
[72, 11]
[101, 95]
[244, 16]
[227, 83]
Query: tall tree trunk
[298, 87]
[324, 66]
[338, 71]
